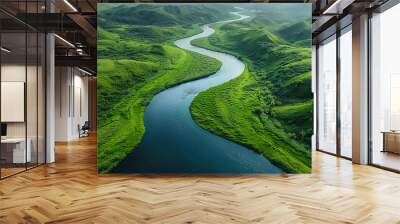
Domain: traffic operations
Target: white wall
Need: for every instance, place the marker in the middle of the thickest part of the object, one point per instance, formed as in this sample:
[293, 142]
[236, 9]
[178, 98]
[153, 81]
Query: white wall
[62, 82]
[80, 109]
[71, 102]
[11, 73]
[17, 73]
[33, 126]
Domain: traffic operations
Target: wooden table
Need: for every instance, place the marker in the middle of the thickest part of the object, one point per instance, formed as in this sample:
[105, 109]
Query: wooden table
[391, 141]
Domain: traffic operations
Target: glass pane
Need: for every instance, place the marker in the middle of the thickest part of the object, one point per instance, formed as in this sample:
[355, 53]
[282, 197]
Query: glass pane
[346, 93]
[31, 98]
[23, 89]
[327, 96]
[385, 114]
[13, 86]
[41, 99]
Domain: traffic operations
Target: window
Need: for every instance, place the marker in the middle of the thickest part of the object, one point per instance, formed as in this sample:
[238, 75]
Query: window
[327, 95]
[385, 89]
[346, 92]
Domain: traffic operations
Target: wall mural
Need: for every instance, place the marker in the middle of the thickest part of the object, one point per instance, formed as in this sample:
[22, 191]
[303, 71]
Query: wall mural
[204, 88]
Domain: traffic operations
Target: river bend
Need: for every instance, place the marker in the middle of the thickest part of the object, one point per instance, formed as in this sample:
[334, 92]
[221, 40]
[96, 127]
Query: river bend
[174, 143]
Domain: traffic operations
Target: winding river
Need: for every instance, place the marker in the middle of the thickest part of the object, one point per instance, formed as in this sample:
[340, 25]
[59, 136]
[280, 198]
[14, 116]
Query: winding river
[174, 143]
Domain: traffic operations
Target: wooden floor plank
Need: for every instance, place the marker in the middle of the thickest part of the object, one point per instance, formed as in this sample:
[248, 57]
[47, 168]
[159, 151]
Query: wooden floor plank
[70, 191]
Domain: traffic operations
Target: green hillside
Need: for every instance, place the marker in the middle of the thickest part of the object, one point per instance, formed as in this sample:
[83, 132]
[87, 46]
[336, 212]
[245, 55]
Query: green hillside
[165, 14]
[269, 107]
[134, 64]
[297, 33]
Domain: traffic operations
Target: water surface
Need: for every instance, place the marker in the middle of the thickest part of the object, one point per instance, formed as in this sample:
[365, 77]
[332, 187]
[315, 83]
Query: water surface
[174, 143]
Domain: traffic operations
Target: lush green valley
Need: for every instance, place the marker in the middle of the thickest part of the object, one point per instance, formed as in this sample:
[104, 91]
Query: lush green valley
[136, 62]
[269, 107]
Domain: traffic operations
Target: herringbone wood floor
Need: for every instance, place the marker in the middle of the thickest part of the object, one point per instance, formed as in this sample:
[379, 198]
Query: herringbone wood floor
[70, 191]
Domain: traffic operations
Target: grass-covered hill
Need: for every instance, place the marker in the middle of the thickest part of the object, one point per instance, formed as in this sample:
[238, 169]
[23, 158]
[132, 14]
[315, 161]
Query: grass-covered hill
[137, 60]
[269, 107]
[165, 14]
[280, 13]
[157, 23]
[297, 33]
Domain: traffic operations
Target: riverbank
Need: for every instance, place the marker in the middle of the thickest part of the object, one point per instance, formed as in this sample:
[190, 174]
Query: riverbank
[174, 143]
[168, 66]
[229, 110]
[251, 109]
